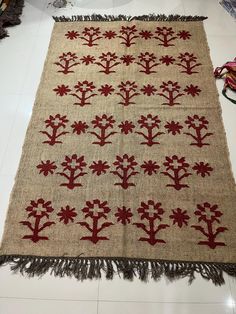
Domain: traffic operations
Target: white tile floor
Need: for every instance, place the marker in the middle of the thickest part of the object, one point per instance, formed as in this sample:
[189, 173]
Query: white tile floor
[21, 61]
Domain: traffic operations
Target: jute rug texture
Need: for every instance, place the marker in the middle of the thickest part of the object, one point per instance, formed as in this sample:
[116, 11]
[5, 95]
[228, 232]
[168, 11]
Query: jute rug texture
[125, 164]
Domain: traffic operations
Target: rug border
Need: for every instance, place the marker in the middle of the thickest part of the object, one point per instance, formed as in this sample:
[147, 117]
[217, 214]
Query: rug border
[147, 17]
[83, 268]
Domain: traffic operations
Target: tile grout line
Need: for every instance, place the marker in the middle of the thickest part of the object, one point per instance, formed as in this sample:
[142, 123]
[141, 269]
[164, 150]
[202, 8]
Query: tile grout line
[112, 301]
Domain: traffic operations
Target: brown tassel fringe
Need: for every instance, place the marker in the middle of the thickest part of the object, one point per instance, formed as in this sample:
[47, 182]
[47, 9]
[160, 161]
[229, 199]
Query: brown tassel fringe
[10, 16]
[111, 18]
[91, 268]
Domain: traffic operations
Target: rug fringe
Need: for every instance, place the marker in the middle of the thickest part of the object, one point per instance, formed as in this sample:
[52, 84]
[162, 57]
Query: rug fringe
[10, 16]
[91, 268]
[111, 18]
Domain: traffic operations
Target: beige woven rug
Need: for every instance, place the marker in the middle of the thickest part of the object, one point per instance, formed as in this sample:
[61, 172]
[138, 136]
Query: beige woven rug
[125, 165]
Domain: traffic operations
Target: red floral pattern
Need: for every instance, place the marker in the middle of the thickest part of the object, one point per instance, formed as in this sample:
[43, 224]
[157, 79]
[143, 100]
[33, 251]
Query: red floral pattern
[128, 34]
[106, 90]
[167, 60]
[72, 170]
[38, 212]
[109, 34]
[173, 127]
[67, 214]
[96, 210]
[150, 212]
[90, 35]
[55, 124]
[148, 90]
[67, 61]
[103, 123]
[47, 167]
[150, 123]
[108, 62]
[79, 127]
[126, 127]
[127, 59]
[124, 215]
[62, 90]
[198, 125]
[179, 217]
[83, 92]
[188, 62]
[88, 59]
[147, 61]
[208, 215]
[202, 168]
[150, 167]
[176, 170]
[128, 90]
[125, 169]
[72, 35]
[99, 167]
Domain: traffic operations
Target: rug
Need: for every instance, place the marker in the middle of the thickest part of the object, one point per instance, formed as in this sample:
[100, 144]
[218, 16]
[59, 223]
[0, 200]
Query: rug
[125, 166]
[10, 10]
[230, 7]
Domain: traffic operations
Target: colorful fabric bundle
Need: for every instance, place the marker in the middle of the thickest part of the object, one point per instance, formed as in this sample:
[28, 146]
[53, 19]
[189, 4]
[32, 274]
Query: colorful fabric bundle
[229, 76]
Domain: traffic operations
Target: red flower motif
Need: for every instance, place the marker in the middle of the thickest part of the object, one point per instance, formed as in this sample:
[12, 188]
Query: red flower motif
[192, 90]
[202, 168]
[47, 167]
[124, 215]
[79, 127]
[72, 35]
[109, 56]
[148, 90]
[150, 210]
[167, 60]
[39, 208]
[146, 34]
[149, 121]
[126, 127]
[96, 209]
[184, 35]
[147, 57]
[164, 31]
[67, 214]
[99, 167]
[91, 31]
[180, 217]
[84, 87]
[170, 86]
[187, 57]
[109, 34]
[88, 59]
[128, 30]
[208, 213]
[197, 122]
[173, 127]
[74, 163]
[127, 86]
[106, 90]
[150, 167]
[125, 162]
[127, 59]
[56, 121]
[62, 90]
[128, 35]
[103, 122]
[175, 163]
[69, 56]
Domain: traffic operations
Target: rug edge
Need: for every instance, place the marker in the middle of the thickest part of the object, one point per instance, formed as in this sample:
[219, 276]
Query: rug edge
[92, 268]
[147, 17]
